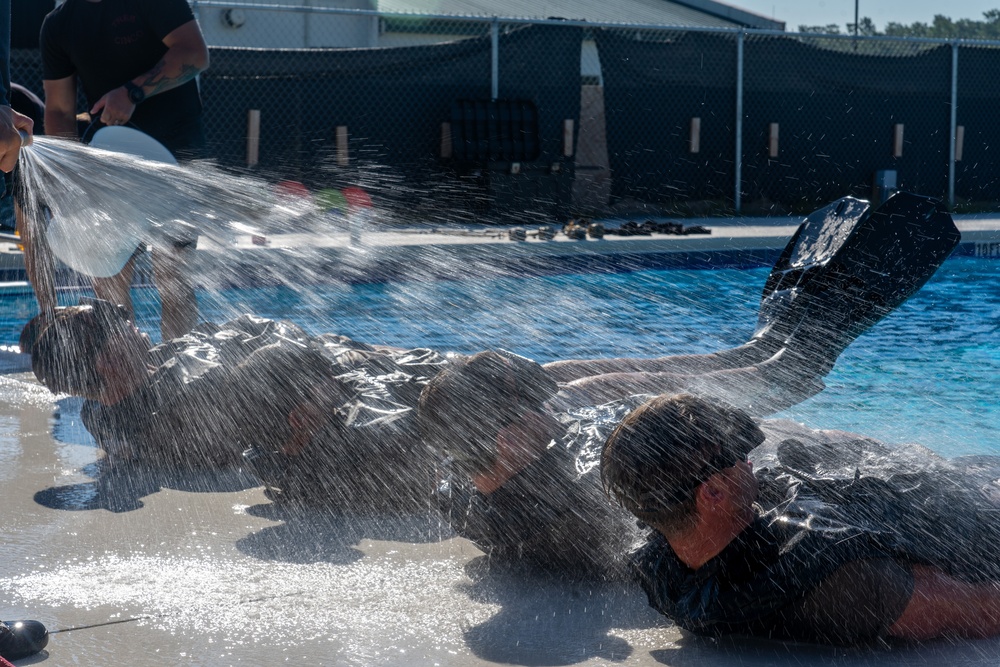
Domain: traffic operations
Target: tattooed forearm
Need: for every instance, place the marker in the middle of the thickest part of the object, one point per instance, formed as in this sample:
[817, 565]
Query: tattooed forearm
[156, 82]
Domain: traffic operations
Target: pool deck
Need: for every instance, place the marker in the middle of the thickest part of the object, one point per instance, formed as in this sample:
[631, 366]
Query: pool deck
[424, 252]
[202, 569]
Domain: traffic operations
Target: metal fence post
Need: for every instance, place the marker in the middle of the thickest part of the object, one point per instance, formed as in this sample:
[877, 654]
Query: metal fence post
[495, 57]
[954, 126]
[739, 122]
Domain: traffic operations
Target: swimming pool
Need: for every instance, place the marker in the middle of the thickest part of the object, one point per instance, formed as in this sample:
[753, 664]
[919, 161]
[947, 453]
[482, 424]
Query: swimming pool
[925, 374]
[277, 585]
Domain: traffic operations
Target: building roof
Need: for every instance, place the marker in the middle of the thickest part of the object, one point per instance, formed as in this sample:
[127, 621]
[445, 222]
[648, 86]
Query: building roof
[686, 13]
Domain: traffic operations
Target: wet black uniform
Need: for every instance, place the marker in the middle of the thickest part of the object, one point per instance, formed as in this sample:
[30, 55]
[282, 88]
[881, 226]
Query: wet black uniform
[196, 408]
[829, 559]
[372, 457]
[206, 403]
[553, 515]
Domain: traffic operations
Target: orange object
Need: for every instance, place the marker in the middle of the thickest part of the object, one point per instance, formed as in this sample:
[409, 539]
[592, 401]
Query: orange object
[292, 189]
[357, 198]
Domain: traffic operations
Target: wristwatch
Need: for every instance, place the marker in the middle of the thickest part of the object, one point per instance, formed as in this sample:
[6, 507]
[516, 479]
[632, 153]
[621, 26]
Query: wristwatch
[135, 93]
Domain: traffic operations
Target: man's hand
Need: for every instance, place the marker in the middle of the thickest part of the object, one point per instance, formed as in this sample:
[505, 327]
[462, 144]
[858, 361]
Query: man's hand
[115, 108]
[519, 444]
[11, 125]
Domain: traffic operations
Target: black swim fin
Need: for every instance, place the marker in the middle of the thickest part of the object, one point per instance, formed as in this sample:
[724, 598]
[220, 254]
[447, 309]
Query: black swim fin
[848, 266]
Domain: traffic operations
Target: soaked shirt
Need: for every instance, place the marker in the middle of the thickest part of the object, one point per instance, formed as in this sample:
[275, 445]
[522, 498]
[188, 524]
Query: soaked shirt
[196, 409]
[202, 407]
[372, 457]
[553, 515]
[828, 559]
[769, 582]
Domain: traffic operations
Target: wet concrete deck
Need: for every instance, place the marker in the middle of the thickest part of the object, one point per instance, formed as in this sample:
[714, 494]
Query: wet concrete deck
[202, 569]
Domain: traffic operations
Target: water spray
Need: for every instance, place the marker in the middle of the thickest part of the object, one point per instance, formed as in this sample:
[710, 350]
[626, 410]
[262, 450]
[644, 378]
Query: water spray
[97, 205]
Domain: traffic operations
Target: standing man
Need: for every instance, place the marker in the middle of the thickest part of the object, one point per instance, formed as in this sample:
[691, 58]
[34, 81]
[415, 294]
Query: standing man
[137, 62]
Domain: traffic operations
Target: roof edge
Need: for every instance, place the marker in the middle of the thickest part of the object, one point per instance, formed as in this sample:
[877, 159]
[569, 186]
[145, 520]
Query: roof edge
[731, 13]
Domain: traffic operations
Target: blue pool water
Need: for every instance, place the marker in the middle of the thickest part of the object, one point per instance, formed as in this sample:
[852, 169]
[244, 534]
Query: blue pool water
[926, 374]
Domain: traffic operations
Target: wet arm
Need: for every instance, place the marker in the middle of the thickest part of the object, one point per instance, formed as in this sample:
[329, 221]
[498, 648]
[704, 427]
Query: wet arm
[738, 386]
[767, 387]
[942, 606]
[613, 386]
[683, 364]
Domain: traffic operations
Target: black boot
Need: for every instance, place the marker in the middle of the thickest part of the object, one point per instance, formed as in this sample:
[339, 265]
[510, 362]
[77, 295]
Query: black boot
[22, 638]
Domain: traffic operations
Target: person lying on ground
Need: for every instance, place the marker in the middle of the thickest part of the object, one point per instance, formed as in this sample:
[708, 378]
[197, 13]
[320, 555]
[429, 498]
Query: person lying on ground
[777, 368]
[824, 537]
[195, 399]
[251, 383]
[523, 440]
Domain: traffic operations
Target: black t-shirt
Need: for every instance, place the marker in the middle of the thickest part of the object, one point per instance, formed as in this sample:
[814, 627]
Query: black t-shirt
[372, 457]
[783, 580]
[110, 42]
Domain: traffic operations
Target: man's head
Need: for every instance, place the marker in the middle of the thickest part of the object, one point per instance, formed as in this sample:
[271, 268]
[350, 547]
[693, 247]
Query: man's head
[92, 350]
[288, 407]
[656, 460]
[464, 407]
[287, 391]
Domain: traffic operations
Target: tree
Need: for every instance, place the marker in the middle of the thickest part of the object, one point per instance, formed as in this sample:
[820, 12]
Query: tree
[866, 27]
[942, 27]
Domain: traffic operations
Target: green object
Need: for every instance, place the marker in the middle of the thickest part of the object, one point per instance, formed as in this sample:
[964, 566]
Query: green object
[331, 199]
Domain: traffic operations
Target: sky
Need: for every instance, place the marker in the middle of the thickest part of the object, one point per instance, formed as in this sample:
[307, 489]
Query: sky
[822, 12]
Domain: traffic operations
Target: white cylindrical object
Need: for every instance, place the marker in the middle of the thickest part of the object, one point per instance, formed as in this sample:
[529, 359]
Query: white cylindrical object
[343, 157]
[253, 137]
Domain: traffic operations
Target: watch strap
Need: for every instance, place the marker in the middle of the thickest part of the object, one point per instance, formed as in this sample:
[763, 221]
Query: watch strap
[135, 93]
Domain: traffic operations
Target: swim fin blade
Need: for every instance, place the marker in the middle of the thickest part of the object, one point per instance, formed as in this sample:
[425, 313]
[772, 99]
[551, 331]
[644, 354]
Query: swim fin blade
[848, 266]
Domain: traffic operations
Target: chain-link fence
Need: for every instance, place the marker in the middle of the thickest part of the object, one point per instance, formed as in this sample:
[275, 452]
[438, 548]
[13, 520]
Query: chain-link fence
[439, 115]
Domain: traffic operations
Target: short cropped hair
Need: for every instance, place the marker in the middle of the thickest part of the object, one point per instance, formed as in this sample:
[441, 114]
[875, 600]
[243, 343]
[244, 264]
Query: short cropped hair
[662, 451]
[466, 404]
[290, 375]
[64, 345]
